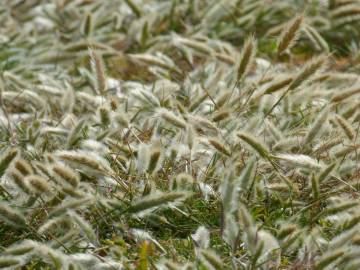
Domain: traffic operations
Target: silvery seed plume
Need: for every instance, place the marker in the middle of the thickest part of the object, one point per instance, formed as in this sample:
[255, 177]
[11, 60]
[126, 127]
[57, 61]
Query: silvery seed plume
[211, 260]
[84, 226]
[182, 181]
[299, 160]
[270, 249]
[220, 146]
[255, 144]
[20, 181]
[14, 79]
[350, 111]
[337, 209]
[168, 265]
[204, 124]
[87, 25]
[196, 45]
[23, 167]
[156, 200]
[190, 136]
[9, 262]
[316, 38]
[316, 127]
[308, 71]
[286, 144]
[50, 255]
[66, 175]
[134, 7]
[289, 34]
[172, 119]
[274, 131]
[223, 99]
[67, 239]
[327, 145]
[52, 224]
[98, 68]
[346, 150]
[68, 99]
[157, 61]
[343, 238]
[75, 134]
[285, 230]
[86, 160]
[247, 174]
[197, 102]
[11, 216]
[146, 97]
[246, 219]
[324, 175]
[247, 58]
[143, 157]
[38, 185]
[122, 119]
[228, 192]
[20, 249]
[6, 158]
[70, 204]
[345, 13]
[89, 89]
[310, 68]
[201, 237]
[231, 231]
[315, 186]
[220, 116]
[328, 258]
[27, 97]
[104, 115]
[346, 127]
[155, 156]
[346, 94]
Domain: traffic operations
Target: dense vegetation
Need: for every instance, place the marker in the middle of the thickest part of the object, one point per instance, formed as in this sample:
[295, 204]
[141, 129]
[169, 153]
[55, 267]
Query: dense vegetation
[179, 134]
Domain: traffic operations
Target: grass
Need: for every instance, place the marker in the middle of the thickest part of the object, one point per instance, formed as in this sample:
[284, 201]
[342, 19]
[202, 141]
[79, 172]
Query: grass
[183, 134]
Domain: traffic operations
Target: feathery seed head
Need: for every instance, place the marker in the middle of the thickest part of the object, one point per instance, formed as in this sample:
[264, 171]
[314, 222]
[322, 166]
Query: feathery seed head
[289, 34]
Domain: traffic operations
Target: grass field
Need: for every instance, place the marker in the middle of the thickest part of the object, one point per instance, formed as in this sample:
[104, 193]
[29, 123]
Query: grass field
[179, 134]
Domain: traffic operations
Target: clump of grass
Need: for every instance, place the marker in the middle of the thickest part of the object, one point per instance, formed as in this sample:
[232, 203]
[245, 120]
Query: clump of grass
[133, 130]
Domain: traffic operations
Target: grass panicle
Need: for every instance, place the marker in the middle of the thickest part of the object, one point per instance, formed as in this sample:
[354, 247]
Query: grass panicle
[346, 127]
[11, 216]
[289, 34]
[255, 144]
[156, 200]
[247, 58]
[6, 158]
